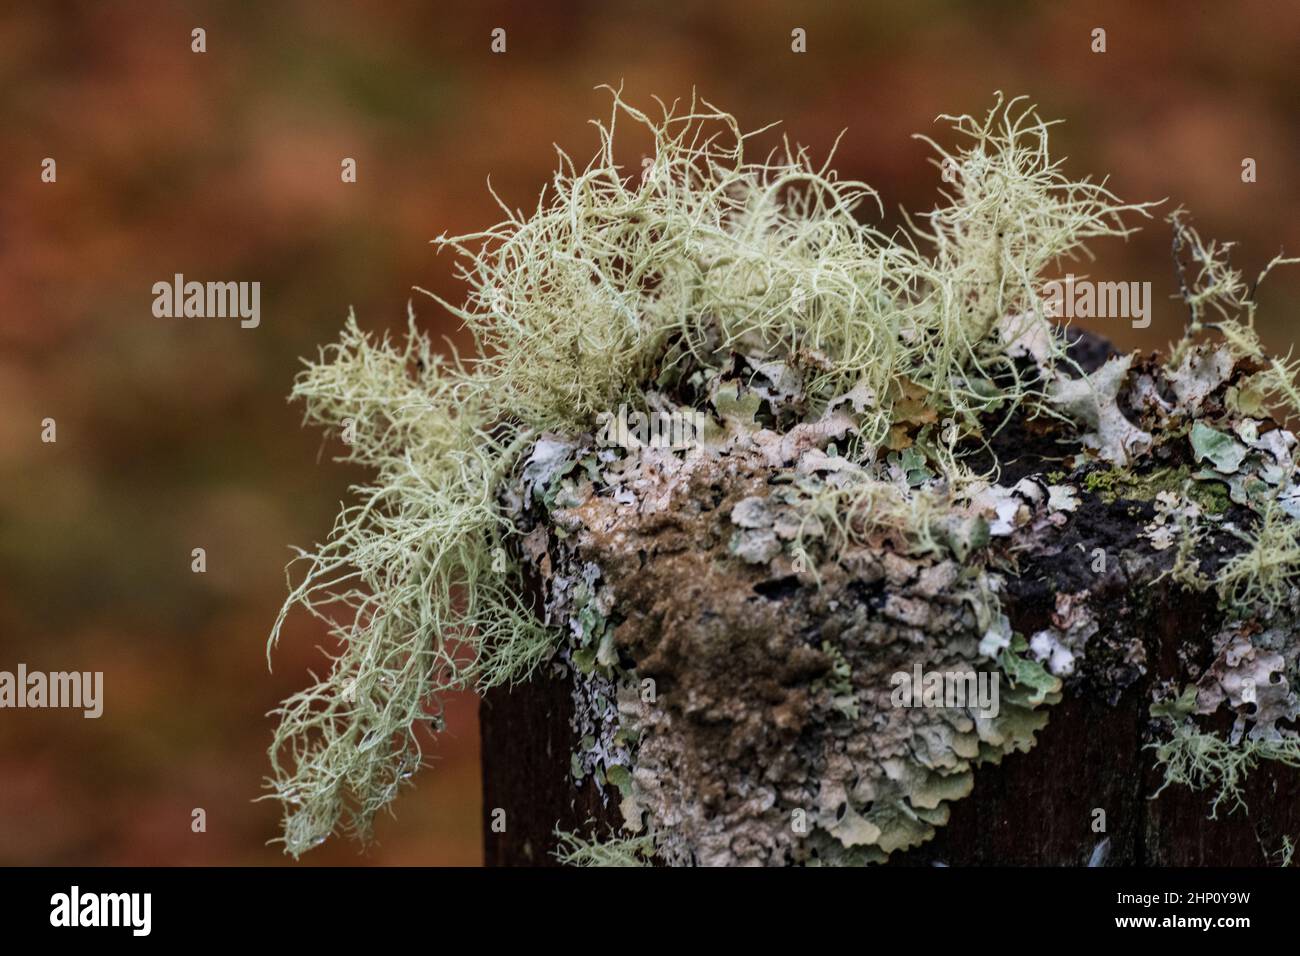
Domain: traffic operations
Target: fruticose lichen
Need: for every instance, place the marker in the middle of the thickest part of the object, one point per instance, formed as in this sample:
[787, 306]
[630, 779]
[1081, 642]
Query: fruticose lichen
[733, 613]
[573, 849]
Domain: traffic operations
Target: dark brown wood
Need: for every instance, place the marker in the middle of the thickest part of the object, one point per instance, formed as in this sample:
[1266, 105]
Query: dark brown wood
[526, 741]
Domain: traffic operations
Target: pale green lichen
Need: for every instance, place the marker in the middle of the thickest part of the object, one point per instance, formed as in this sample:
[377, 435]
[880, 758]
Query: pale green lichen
[572, 305]
[1263, 577]
[1201, 760]
[1242, 452]
[1286, 853]
[405, 582]
[1219, 298]
[574, 849]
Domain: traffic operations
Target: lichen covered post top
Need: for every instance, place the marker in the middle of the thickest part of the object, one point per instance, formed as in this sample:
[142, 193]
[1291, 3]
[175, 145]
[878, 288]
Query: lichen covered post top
[734, 461]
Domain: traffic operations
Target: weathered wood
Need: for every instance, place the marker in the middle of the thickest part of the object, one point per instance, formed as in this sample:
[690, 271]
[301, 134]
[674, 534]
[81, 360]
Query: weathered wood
[526, 743]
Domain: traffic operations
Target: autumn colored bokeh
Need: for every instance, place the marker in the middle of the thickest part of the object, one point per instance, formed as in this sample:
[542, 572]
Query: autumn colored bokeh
[225, 165]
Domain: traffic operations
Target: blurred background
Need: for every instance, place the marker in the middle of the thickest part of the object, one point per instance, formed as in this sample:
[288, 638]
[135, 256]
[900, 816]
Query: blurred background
[225, 165]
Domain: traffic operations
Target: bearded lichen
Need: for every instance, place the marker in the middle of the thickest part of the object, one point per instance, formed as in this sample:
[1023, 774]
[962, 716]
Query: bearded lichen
[405, 584]
[574, 849]
[1262, 578]
[1208, 761]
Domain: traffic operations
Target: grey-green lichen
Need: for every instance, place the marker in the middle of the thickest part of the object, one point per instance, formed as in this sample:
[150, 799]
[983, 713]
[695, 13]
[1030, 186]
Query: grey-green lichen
[574, 849]
[732, 612]
[1226, 391]
[1207, 761]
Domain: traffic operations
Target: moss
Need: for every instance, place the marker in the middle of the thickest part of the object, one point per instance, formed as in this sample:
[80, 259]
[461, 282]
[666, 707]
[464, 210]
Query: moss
[1124, 484]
